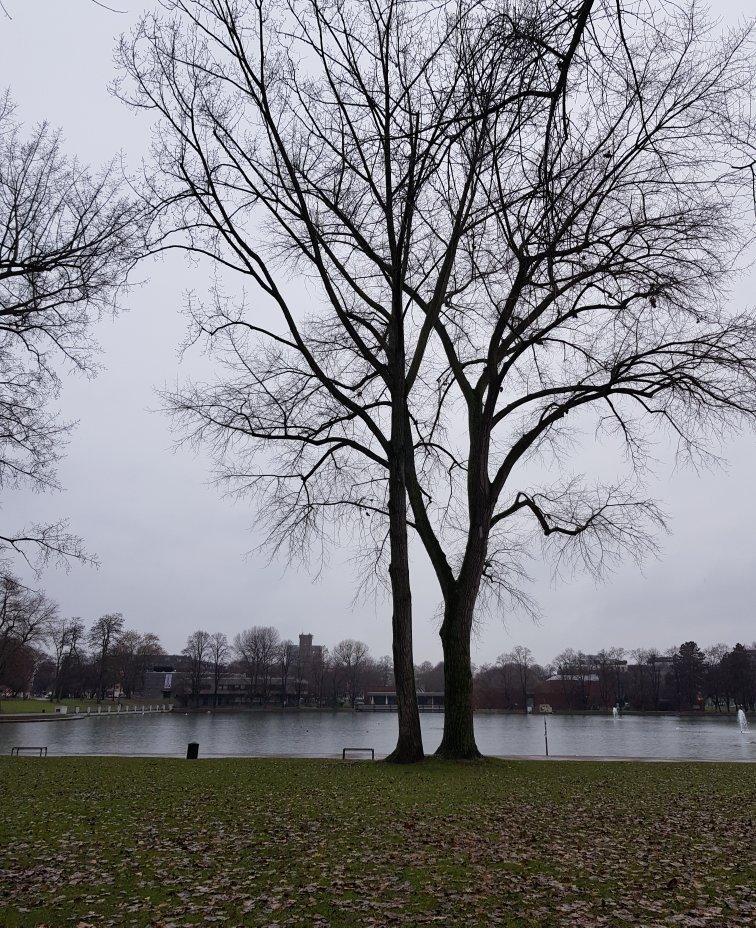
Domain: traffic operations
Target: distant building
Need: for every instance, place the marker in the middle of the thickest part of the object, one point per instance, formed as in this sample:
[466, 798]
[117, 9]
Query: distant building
[158, 681]
[386, 699]
[306, 653]
[169, 679]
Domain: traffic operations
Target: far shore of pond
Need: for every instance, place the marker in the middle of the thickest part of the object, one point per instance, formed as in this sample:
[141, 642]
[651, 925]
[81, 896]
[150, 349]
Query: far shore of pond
[20, 710]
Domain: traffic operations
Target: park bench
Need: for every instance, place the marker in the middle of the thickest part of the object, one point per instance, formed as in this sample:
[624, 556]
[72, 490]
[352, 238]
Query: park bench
[41, 751]
[362, 750]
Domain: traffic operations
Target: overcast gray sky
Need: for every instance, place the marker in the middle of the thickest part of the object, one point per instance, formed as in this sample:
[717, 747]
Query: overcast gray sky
[173, 552]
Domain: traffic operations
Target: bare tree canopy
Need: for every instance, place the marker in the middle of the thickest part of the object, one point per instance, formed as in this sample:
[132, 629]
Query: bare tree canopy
[67, 239]
[517, 220]
[102, 638]
[26, 617]
[219, 653]
[349, 659]
[132, 655]
[198, 650]
[323, 139]
[257, 649]
[65, 638]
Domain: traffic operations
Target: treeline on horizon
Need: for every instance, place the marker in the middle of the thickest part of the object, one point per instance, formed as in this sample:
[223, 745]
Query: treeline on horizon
[42, 653]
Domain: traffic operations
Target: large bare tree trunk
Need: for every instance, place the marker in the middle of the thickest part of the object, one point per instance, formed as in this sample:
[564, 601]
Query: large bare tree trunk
[409, 746]
[458, 742]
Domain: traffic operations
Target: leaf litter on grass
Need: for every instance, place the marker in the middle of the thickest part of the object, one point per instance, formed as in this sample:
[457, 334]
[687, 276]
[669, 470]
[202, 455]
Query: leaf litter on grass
[280, 844]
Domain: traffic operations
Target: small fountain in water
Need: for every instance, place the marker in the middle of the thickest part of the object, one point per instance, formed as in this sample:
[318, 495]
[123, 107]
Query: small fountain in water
[742, 721]
[615, 712]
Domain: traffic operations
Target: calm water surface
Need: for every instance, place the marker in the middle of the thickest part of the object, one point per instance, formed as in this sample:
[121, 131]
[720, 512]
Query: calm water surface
[324, 734]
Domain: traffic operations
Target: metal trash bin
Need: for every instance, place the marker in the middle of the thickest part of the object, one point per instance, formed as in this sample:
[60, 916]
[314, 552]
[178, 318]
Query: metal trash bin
[192, 750]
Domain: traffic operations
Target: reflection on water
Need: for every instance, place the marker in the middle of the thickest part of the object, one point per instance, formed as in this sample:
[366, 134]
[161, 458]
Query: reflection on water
[323, 734]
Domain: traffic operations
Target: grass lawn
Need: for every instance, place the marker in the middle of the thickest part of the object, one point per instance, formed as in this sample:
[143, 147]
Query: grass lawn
[274, 843]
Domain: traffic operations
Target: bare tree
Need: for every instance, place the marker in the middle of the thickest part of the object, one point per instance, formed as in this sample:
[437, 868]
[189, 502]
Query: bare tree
[65, 637]
[324, 137]
[197, 650]
[505, 675]
[26, 617]
[219, 652]
[132, 655]
[522, 658]
[608, 666]
[317, 673]
[521, 221]
[67, 239]
[285, 656]
[591, 291]
[566, 665]
[257, 648]
[351, 657]
[302, 670]
[102, 637]
[385, 671]
[656, 671]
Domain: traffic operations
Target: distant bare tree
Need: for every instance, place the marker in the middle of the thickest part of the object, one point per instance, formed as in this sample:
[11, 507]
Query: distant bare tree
[656, 672]
[219, 651]
[257, 648]
[197, 650]
[570, 668]
[302, 669]
[385, 671]
[506, 676]
[67, 240]
[102, 638]
[132, 655]
[717, 681]
[608, 666]
[285, 657]
[26, 617]
[65, 637]
[350, 657]
[522, 658]
[318, 670]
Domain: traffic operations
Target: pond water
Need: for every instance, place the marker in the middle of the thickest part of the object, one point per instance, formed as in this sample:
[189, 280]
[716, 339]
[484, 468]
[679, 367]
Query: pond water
[324, 734]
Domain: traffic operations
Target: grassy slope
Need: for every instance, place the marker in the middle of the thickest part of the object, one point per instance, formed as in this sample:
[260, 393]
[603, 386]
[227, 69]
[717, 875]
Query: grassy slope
[103, 841]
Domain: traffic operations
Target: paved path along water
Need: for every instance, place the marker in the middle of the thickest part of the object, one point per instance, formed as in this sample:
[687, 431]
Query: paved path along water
[324, 734]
